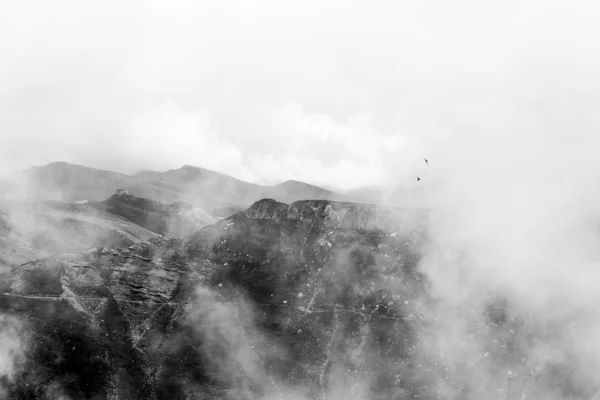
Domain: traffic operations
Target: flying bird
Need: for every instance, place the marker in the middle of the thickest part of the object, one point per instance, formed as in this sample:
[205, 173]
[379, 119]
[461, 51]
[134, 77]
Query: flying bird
[426, 162]
[418, 178]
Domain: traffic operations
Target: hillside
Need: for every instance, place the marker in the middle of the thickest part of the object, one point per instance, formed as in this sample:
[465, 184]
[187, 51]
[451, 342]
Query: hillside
[177, 219]
[66, 182]
[202, 186]
[33, 230]
[309, 300]
[291, 191]
[29, 231]
[199, 187]
[261, 304]
[195, 182]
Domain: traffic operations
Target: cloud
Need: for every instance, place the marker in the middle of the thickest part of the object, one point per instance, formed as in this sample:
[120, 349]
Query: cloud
[13, 345]
[356, 81]
[514, 215]
[318, 148]
[194, 141]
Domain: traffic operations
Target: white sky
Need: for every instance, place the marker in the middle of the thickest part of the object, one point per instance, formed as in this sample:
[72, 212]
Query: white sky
[337, 92]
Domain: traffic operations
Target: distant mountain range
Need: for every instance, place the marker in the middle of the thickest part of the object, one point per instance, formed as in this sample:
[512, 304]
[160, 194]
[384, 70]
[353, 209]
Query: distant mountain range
[209, 190]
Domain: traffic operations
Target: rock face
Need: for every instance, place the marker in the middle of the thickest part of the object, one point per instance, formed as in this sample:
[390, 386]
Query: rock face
[360, 217]
[311, 300]
[308, 300]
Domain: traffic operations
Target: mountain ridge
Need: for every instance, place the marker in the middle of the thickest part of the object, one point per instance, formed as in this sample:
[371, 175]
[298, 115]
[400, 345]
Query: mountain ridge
[198, 186]
[314, 299]
[166, 318]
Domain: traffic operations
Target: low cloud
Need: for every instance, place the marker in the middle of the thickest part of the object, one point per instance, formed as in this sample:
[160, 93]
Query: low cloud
[13, 347]
[513, 257]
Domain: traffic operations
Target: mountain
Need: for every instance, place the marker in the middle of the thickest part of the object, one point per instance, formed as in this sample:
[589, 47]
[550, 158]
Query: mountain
[277, 301]
[199, 187]
[309, 300]
[197, 182]
[205, 188]
[177, 219]
[224, 212]
[69, 183]
[291, 190]
[33, 230]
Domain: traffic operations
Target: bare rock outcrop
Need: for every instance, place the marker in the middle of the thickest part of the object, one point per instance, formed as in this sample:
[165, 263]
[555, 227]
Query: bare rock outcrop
[361, 217]
[160, 319]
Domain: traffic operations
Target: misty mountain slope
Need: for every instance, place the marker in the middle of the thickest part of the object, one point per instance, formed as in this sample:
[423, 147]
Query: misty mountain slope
[30, 231]
[311, 300]
[195, 182]
[200, 187]
[177, 219]
[200, 178]
[291, 191]
[70, 182]
[295, 286]
[204, 187]
[328, 284]
[225, 212]
[14, 250]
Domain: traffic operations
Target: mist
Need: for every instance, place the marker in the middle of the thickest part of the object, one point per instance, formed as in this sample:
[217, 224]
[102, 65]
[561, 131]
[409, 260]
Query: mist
[13, 345]
[515, 217]
[337, 95]
[501, 99]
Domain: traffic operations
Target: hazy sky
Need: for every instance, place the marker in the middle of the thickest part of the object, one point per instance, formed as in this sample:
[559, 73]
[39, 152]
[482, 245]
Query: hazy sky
[339, 93]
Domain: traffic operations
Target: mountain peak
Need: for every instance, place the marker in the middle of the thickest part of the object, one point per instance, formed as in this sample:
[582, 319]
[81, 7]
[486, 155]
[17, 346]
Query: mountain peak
[189, 166]
[192, 172]
[336, 214]
[59, 163]
[195, 168]
[122, 192]
[66, 167]
[291, 182]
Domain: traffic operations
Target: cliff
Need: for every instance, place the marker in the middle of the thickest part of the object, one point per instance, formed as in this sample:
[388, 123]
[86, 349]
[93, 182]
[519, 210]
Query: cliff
[272, 301]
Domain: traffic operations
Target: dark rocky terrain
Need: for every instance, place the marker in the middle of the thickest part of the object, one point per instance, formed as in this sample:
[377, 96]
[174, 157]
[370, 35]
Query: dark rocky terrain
[309, 300]
[275, 300]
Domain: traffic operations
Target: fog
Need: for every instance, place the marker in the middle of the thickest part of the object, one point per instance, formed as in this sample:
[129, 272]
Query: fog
[515, 214]
[343, 95]
[502, 99]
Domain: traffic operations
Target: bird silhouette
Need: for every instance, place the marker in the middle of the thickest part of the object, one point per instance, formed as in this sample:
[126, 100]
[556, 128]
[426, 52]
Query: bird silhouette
[426, 162]
[418, 178]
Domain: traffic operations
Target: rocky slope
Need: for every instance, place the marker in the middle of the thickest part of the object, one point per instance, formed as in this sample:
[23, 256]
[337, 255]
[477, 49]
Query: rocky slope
[32, 230]
[177, 219]
[309, 300]
[280, 300]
